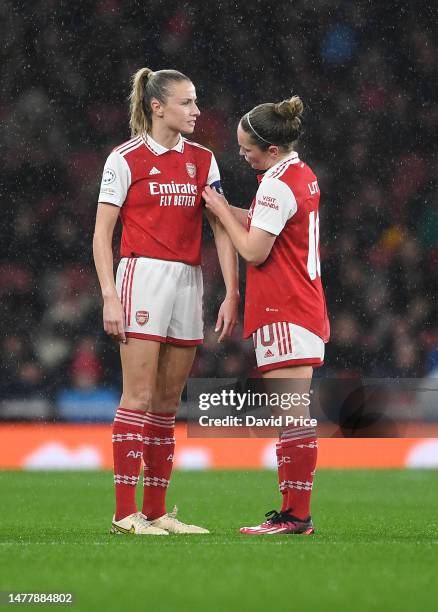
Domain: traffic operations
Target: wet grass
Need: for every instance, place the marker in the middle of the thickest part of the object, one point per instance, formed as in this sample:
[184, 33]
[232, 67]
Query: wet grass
[375, 546]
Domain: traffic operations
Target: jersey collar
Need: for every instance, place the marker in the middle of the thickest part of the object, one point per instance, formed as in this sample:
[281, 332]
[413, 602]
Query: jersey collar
[158, 149]
[292, 158]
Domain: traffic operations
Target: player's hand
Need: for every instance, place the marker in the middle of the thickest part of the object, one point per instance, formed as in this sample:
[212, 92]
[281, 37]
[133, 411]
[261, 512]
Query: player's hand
[227, 317]
[214, 201]
[114, 319]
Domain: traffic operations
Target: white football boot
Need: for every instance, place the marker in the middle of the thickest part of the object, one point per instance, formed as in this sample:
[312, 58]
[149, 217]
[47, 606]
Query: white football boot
[171, 524]
[135, 524]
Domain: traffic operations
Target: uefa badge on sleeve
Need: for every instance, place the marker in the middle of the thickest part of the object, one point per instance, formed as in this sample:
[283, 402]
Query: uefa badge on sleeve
[109, 176]
[142, 317]
[191, 169]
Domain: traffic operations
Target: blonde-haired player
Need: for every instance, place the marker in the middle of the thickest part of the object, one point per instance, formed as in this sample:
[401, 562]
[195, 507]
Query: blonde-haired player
[153, 182]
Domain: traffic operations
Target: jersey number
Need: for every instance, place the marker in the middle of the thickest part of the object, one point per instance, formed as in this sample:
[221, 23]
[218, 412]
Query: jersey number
[269, 341]
[313, 262]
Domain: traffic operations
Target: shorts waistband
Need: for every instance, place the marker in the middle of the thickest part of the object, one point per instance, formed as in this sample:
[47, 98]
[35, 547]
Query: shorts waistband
[169, 261]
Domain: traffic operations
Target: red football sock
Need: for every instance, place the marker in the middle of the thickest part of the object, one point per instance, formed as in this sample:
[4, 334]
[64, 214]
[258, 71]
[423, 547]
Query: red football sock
[158, 449]
[299, 449]
[127, 452]
[281, 475]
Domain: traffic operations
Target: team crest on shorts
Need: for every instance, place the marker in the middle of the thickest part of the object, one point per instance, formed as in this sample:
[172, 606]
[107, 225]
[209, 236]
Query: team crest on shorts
[191, 169]
[142, 317]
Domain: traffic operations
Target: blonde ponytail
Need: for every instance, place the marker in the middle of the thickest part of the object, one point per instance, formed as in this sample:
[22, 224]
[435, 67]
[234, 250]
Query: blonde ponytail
[139, 121]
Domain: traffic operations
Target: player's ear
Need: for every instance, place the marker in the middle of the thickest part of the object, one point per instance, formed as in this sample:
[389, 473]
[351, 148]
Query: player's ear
[274, 150]
[157, 107]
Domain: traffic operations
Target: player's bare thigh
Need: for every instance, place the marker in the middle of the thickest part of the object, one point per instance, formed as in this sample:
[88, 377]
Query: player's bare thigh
[154, 374]
[302, 372]
[139, 368]
[175, 363]
[291, 379]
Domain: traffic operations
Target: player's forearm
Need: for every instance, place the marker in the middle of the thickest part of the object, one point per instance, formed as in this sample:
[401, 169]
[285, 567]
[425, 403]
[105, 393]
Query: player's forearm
[227, 259]
[103, 260]
[239, 237]
[241, 214]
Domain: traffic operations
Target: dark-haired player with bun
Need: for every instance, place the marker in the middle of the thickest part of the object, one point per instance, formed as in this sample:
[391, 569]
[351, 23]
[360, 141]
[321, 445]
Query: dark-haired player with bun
[154, 309]
[285, 310]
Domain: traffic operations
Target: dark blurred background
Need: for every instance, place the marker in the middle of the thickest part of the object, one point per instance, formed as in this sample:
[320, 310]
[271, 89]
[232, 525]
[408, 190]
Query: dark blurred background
[367, 73]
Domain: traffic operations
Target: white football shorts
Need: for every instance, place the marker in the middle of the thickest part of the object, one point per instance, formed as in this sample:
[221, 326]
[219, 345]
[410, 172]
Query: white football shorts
[278, 345]
[162, 300]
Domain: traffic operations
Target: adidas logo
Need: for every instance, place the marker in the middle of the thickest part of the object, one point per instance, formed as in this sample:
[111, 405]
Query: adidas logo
[269, 354]
[154, 171]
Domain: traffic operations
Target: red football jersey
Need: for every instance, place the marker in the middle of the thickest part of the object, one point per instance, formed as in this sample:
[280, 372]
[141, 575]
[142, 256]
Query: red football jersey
[287, 286]
[159, 192]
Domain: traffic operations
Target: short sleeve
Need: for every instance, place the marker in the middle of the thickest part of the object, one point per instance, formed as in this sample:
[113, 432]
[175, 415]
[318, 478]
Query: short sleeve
[214, 177]
[116, 180]
[275, 204]
[213, 173]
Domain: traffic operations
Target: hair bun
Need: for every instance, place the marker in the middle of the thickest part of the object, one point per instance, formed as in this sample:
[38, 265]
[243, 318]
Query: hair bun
[289, 109]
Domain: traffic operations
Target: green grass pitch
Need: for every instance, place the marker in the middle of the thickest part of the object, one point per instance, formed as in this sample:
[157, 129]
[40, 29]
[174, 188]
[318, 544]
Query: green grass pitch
[376, 546]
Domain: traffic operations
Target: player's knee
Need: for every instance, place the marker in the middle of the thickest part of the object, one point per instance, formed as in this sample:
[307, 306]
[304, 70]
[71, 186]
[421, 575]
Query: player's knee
[169, 399]
[138, 399]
